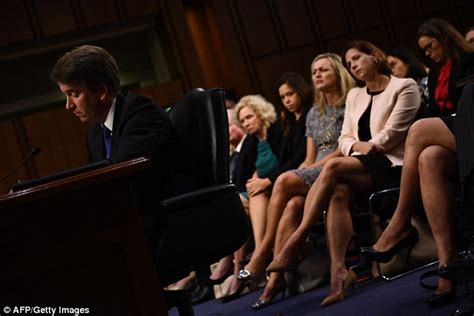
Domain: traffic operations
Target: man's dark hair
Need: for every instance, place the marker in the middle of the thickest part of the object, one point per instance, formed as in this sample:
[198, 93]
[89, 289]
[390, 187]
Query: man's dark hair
[90, 66]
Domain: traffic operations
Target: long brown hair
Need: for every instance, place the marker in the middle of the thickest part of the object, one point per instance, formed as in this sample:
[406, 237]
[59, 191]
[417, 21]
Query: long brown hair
[369, 49]
[452, 42]
[301, 87]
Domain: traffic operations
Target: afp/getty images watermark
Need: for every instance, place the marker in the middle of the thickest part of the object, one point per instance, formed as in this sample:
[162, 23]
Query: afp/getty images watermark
[44, 310]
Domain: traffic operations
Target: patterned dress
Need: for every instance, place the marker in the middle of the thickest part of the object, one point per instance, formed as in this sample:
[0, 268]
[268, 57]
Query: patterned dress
[324, 128]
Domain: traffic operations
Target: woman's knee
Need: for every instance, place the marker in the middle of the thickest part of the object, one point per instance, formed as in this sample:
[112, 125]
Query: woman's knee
[427, 131]
[286, 181]
[341, 194]
[331, 169]
[436, 160]
[295, 205]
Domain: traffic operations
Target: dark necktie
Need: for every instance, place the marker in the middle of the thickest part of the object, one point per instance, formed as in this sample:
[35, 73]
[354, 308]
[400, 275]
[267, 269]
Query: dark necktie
[107, 140]
[233, 164]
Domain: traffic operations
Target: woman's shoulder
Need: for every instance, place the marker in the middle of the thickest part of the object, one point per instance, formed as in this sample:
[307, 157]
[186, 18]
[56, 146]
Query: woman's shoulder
[398, 84]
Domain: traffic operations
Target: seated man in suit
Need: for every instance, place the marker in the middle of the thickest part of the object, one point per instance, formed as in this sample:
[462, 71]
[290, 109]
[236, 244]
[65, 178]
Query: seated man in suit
[123, 127]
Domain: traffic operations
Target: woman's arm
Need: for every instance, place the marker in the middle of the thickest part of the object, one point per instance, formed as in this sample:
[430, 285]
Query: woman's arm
[321, 162]
[311, 153]
[347, 138]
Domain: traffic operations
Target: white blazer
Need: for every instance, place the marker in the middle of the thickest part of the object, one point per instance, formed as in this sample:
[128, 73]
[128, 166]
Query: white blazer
[393, 111]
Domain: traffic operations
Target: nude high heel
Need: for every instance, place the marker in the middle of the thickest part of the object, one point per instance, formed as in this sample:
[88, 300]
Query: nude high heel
[349, 282]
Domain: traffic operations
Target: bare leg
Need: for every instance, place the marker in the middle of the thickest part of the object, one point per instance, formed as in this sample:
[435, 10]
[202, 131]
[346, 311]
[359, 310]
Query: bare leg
[258, 216]
[339, 233]
[286, 186]
[239, 255]
[422, 134]
[348, 170]
[222, 268]
[290, 220]
[437, 165]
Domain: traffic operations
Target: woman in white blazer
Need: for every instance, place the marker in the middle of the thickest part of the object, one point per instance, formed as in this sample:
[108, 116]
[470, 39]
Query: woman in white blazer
[376, 121]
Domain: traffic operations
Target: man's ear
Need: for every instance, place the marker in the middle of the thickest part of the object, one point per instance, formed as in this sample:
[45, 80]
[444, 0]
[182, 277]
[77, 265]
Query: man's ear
[103, 92]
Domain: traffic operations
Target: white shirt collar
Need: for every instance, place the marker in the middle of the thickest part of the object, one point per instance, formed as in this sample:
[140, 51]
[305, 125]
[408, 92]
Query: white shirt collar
[239, 146]
[109, 121]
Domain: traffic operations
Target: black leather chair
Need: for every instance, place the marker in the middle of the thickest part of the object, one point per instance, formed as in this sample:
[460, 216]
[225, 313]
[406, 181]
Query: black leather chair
[209, 223]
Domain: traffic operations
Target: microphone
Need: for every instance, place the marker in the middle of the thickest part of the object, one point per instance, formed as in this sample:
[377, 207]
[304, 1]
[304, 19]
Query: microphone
[34, 152]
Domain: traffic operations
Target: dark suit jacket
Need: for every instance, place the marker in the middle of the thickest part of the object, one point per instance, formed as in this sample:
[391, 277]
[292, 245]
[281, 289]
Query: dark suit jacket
[460, 69]
[141, 129]
[248, 155]
[464, 131]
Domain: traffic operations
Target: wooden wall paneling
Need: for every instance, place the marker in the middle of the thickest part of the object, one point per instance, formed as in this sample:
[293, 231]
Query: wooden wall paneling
[55, 16]
[464, 10]
[136, 8]
[366, 14]
[295, 21]
[259, 30]
[98, 13]
[431, 7]
[25, 147]
[14, 23]
[205, 46]
[11, 156]
[332, 20]
[378, 37]
[238, 72]
[61, 137]
[164, 94]
[270, 69]
[405, 34]
[400, 10]
[184, 53]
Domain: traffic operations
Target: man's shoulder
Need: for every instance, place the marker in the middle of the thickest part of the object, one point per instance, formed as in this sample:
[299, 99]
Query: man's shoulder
[131, 102]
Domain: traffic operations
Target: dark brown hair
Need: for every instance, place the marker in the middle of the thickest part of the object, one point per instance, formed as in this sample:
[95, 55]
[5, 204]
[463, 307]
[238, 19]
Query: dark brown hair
[90, 66]
[452, 42]
[370, 49]
[301, 87]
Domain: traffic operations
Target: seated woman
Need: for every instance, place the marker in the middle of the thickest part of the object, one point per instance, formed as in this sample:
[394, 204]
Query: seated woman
[429, 165]
[323, 124]
[372, 141]
[257, 156]
[404, 64]
[295, 97]
[295, 101]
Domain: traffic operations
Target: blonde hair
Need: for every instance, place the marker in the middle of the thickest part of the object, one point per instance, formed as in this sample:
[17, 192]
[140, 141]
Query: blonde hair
[264, 109]
[345, 82]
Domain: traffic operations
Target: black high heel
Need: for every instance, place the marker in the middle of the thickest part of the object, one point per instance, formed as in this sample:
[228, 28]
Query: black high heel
[259, 303]
[222, 278]
[236, 294]
[441, 299]
[408, 242]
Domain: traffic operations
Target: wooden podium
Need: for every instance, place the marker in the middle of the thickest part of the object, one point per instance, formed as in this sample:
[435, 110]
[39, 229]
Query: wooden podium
[78, 243]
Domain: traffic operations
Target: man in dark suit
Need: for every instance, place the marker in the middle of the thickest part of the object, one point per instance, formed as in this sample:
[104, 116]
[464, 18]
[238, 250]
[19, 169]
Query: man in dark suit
[123, 126]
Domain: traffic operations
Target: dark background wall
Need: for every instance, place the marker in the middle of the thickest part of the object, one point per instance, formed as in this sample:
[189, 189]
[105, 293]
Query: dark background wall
[166, 47]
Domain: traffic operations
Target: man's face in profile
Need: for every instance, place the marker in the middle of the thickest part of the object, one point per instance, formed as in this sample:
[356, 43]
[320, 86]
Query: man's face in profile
[84, 103]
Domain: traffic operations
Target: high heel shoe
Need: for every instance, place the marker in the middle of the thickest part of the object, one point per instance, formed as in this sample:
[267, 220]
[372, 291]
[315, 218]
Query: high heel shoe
[441, 299]
[221, 279]
[294, 256]
[259, 304]
[349, 282]
[408, 242]
[238, 292]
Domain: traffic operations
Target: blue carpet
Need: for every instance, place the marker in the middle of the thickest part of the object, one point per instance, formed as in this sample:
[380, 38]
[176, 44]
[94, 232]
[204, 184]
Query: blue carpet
[403, 296]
